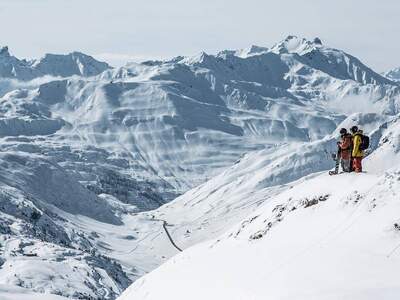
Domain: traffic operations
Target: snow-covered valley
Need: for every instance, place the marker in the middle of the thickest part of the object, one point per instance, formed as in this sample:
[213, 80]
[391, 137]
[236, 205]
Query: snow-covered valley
[230, 151]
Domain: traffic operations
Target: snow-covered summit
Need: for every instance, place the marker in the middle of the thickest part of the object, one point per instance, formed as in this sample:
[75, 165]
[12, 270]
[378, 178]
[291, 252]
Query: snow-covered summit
[4, 51]
[294, 58]
[294, 44]
[75, 63]
[250, 51]
[332, 61]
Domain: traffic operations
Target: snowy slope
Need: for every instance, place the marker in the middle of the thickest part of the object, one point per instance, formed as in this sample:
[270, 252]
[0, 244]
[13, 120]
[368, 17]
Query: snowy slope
[343, 247]
[323, 238]
[210, 209]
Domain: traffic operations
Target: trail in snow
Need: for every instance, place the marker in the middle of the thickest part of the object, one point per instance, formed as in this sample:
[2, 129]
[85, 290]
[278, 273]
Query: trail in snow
[165, 224]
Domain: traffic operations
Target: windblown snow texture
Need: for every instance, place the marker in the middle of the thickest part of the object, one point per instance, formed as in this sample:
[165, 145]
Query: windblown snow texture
[94, 160]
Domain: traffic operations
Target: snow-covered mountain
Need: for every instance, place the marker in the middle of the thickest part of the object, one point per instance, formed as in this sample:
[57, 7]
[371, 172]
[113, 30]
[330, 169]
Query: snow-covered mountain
[90, 157]
[170, 117]
[75, 63]
[393, 74]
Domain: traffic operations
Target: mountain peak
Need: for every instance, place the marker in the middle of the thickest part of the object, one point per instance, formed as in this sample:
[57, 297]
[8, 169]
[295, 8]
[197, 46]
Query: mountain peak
[294, 44]
[317, 41]
[199, 58]
[75, 63]
[250, 51]
[4, 51]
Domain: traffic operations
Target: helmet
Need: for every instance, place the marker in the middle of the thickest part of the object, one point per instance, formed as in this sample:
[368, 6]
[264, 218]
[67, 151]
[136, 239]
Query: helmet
[354, 129]
[343, 131]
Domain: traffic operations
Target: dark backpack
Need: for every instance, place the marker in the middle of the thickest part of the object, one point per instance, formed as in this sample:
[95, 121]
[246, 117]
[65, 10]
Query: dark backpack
[364, 142]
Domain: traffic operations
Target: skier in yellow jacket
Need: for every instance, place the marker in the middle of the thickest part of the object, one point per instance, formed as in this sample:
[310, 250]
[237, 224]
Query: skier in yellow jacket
[357, 153]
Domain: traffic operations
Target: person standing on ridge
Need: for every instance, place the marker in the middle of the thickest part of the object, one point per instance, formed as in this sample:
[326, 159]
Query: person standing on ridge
[345, 146]
[357, 153]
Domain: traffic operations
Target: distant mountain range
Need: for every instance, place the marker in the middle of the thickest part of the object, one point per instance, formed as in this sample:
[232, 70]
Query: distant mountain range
[75, 63]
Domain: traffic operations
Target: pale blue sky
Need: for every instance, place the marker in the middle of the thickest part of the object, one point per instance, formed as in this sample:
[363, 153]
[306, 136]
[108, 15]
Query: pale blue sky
[129, 29]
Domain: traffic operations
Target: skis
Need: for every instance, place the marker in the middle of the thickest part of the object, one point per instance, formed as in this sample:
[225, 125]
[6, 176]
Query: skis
[337, 162]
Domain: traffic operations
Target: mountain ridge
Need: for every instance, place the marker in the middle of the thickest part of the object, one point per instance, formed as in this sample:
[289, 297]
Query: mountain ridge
[74, 63]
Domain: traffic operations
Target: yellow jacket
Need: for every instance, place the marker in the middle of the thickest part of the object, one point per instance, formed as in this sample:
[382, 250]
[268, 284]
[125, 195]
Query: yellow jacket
[356, 145]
